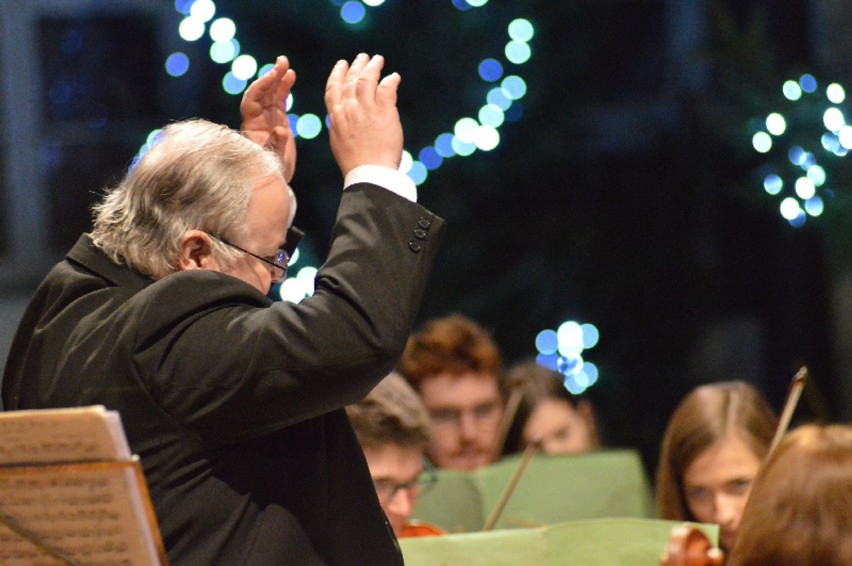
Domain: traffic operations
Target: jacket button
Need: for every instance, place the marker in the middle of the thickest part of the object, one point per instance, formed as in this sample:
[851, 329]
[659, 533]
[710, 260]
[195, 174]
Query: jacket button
[424, 222]
[420, 234]
[414, 246]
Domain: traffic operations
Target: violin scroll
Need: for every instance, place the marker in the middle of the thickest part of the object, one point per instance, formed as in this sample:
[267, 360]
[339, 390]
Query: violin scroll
[689, 546]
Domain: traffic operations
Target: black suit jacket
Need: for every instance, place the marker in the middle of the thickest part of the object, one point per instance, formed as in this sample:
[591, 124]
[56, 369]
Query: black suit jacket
[234, 403]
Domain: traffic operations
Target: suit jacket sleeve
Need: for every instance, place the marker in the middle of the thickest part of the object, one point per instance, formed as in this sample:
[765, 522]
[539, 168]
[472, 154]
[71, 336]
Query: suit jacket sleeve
[220, 358]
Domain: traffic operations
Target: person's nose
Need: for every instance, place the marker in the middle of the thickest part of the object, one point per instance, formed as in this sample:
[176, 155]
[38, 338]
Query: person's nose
[468, 428]
[726, 510]
[402, 503]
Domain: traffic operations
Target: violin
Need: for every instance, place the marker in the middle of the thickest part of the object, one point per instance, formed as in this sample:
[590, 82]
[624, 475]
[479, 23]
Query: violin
[689, 546]
[419, 529]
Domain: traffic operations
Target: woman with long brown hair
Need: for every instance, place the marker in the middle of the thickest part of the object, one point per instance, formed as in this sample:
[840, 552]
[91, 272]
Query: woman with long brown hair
[712, 450]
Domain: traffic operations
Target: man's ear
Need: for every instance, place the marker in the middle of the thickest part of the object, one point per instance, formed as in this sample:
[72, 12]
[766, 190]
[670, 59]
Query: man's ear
[196, 251]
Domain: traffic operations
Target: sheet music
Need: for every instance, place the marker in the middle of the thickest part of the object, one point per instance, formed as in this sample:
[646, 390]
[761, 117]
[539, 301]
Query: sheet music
[61, 435]
[69, 486]
[85, 510]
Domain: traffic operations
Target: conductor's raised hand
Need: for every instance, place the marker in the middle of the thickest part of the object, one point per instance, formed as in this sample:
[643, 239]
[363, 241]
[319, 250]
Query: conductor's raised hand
[264, 116]
[365, 127]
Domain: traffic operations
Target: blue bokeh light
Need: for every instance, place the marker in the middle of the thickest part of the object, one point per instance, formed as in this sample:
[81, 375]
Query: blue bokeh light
[808, 83]
[353, 12]
[773, 184]
[430, 158]
[814, 206]
[232, 84]
[514, 87]
[514, 112]
[491, 115]
[463, 148]
[444, 145]
[497, 96]
[490, 70]
[177, 64]
[418, 173]
[547, 341]
[308, 126]
[591, 335]
[224, 51]
[183, 6]
[799, 220]
[796, 155]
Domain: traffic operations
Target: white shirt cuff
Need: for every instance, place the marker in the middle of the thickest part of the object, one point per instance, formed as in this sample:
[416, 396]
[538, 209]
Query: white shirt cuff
[385, 177]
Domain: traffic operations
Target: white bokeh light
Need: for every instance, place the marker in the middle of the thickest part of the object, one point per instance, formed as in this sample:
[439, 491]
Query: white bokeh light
[789, 208]
[805, 188]
[570, 338]
[833, 119]
[191, 29]
[244, 67]
[465, 130]
[223, 29]
[486, 138]
[762, 142]
[204, 10]
[776, 124]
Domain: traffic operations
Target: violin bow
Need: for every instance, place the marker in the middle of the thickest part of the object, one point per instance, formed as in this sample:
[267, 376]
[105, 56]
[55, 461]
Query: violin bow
[529, 452]
[793, 394]
[508, 418]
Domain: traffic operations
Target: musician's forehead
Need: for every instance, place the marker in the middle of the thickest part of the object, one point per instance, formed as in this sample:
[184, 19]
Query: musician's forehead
[459, 391]
[727, 459]
[391, 462]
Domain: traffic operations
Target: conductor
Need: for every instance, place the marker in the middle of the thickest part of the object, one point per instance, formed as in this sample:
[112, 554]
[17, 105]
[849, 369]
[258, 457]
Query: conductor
[235, 403]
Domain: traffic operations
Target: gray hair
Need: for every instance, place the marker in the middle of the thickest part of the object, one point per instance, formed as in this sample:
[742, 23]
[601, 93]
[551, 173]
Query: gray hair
[196, 175]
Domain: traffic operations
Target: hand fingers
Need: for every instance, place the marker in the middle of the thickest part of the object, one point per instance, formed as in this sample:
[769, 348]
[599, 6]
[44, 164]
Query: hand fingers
[286, 85]
[386, 92]
[369, 78]
[271, 78]
[334, 85]
[279, 75]
[356, 70]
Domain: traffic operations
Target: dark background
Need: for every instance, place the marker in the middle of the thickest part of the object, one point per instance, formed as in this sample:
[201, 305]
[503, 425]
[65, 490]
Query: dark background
[626, 195]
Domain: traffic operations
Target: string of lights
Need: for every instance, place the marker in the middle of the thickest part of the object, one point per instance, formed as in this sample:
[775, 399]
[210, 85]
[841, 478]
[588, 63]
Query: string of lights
[562, 350]
[501, 98]
[796, 174]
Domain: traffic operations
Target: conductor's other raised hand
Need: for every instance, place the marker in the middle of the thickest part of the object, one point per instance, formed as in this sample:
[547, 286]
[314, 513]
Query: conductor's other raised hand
[365, 127]
[264, 116]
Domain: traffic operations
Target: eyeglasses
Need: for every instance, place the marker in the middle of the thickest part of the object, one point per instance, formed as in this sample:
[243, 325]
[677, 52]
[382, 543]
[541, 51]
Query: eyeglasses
[485, 415]
[387, 489]
[278, 261]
